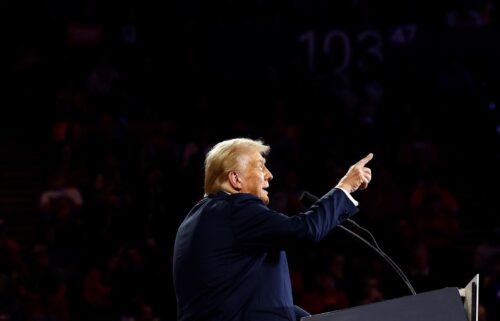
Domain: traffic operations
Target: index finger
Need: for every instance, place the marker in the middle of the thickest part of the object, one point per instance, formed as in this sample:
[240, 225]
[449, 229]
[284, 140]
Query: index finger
[365, 160]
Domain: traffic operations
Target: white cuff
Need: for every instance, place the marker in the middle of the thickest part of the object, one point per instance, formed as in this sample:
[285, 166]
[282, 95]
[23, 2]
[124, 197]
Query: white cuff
[356, 203]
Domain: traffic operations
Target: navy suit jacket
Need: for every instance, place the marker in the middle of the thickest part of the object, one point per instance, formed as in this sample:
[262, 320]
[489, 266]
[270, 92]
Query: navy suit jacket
[229, 263]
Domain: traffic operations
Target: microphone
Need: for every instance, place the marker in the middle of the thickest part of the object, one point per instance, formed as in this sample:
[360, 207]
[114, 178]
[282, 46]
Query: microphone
[309, 199]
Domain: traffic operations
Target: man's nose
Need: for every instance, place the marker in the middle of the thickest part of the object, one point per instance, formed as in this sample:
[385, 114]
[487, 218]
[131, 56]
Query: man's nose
[269, 175]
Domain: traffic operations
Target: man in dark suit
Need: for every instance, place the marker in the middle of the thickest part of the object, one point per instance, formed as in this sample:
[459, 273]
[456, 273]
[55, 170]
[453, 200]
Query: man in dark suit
[229, 262]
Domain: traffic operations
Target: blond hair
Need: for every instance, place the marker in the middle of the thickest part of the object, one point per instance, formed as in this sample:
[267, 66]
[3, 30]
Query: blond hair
[226, 156]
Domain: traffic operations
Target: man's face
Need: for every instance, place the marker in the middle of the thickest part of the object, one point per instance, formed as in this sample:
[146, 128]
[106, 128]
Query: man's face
[255, 176]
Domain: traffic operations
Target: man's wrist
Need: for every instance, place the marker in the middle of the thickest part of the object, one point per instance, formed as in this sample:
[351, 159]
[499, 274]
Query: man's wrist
[343, 189]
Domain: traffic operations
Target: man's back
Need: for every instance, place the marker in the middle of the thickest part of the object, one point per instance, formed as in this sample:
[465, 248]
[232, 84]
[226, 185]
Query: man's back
[216, 277]
[228, 258]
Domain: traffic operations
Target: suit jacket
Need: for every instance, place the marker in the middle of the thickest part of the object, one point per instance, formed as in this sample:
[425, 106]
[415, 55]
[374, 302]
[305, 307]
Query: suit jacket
[229, 262]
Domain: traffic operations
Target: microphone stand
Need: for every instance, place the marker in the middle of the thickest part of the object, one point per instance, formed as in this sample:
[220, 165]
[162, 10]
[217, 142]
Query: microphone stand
[310, 199]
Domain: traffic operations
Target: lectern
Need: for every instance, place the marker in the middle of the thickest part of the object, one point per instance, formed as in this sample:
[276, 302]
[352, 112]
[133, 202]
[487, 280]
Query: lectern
[447, 304]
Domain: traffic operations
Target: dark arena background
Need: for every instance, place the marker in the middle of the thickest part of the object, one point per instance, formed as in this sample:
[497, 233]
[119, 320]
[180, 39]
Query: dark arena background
[109, 107]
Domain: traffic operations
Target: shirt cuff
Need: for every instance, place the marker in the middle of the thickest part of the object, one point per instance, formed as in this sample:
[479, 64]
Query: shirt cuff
[356, 203]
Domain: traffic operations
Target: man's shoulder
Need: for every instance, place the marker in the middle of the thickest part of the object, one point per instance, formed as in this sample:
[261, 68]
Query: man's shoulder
[224, 201]
[244, 199]
[235, 203]
[234, 197]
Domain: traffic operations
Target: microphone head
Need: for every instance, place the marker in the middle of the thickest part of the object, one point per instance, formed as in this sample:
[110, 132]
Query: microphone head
[308, 199]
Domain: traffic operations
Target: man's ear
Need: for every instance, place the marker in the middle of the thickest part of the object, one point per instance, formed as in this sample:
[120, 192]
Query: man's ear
[234, 180]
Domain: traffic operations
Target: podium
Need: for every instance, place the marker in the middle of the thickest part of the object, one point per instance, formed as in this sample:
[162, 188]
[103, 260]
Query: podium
[447, 304]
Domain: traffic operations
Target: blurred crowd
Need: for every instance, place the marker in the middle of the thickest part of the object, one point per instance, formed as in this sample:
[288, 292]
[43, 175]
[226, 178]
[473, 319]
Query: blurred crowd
[132, 99]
